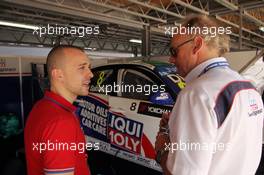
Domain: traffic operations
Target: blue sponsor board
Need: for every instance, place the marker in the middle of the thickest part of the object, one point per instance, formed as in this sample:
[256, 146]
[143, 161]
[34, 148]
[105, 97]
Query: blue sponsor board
[93, 117]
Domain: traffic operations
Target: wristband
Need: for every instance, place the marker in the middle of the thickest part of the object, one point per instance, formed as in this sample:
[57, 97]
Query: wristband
[164, 129]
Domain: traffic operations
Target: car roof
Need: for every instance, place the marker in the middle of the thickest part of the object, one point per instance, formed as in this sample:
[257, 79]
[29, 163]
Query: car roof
[149, 64]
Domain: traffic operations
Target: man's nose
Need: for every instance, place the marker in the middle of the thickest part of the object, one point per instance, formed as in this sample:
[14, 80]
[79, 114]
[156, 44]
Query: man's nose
[90, 74]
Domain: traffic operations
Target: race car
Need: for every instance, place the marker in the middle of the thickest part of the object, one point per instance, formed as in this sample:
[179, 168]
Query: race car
[121, 114]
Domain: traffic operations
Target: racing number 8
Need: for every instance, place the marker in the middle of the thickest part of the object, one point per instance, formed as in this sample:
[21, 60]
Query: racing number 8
[133, 106]
[101, 78]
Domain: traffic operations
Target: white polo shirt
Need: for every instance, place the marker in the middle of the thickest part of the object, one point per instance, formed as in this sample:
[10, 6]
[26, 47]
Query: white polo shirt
[216, 123]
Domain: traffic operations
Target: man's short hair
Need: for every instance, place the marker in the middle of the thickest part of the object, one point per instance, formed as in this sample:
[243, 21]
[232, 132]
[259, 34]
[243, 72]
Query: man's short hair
[55, 52]
[201, 22]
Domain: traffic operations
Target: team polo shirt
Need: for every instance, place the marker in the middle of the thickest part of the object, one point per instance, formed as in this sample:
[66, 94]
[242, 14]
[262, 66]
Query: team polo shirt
[216, 124]
[54, 141]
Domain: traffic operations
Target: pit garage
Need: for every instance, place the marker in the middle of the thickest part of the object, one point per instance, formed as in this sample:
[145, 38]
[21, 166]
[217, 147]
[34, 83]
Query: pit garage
[134, 82]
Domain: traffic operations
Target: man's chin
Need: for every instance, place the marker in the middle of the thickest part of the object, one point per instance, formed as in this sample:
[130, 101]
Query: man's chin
[84, 92]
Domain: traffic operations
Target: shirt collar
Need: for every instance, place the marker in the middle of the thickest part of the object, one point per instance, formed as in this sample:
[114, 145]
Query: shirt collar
[199, 69]
[60, 101]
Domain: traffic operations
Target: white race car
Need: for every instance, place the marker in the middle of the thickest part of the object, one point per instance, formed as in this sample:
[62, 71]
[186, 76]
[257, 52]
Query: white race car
[122, 112]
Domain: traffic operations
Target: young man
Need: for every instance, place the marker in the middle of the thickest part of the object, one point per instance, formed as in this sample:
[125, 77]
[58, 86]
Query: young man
[215, 127]
[54, 141]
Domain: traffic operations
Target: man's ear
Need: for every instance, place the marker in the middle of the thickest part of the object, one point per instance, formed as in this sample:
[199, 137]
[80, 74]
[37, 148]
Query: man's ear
[57, 74]
[198, 44]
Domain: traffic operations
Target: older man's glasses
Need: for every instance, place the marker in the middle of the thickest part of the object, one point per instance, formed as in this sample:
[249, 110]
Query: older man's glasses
[174, 50]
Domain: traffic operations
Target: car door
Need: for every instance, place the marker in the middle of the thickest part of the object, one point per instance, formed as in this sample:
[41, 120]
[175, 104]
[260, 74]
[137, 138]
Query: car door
[124, 122]
[135, 116]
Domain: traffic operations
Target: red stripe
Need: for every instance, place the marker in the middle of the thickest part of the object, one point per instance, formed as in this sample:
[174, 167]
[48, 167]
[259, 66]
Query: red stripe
[148, 147]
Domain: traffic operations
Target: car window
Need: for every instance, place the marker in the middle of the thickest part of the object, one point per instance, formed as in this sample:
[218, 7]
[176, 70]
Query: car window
[137, 85]
[102, 80]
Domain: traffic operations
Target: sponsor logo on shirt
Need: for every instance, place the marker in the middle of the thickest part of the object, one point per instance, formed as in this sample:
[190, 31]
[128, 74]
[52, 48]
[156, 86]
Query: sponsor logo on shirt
[254, 108]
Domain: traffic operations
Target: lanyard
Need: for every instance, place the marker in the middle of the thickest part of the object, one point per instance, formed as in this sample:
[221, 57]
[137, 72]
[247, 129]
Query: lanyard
[214, 65]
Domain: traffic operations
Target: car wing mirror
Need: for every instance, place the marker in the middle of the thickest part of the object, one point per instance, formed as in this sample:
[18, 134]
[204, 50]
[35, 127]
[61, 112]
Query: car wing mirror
[161, 98]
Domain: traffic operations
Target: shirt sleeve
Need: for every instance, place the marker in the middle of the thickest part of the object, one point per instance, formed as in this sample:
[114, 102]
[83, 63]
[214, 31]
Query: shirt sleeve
[60, 142]
[193, 128]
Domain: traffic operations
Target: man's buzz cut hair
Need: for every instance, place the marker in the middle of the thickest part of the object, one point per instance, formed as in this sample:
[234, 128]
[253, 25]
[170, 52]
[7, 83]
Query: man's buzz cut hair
[55, 51]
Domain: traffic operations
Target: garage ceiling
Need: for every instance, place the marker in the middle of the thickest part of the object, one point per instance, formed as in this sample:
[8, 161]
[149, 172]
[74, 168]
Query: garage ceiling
[122, 20]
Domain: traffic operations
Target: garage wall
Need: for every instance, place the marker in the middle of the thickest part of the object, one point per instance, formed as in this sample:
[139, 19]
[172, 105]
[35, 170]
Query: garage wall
[237, 60]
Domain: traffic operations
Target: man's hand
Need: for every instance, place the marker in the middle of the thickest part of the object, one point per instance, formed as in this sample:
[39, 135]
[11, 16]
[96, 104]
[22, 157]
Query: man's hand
[162, 139]
[164, 120]
[163, 133]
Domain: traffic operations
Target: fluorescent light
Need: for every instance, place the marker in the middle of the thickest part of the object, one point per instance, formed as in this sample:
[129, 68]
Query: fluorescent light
[261, 28]
[24, 44]
[135, 41]
[90, 48]
[18, 25]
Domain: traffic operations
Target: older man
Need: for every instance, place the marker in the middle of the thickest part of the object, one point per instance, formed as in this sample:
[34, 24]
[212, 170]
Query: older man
[215, 127]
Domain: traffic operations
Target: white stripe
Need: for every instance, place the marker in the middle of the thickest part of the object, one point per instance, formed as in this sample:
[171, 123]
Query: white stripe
[45, 169]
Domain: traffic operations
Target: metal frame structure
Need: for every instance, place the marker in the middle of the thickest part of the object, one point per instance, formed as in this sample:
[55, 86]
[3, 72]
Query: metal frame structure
[121, 20]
